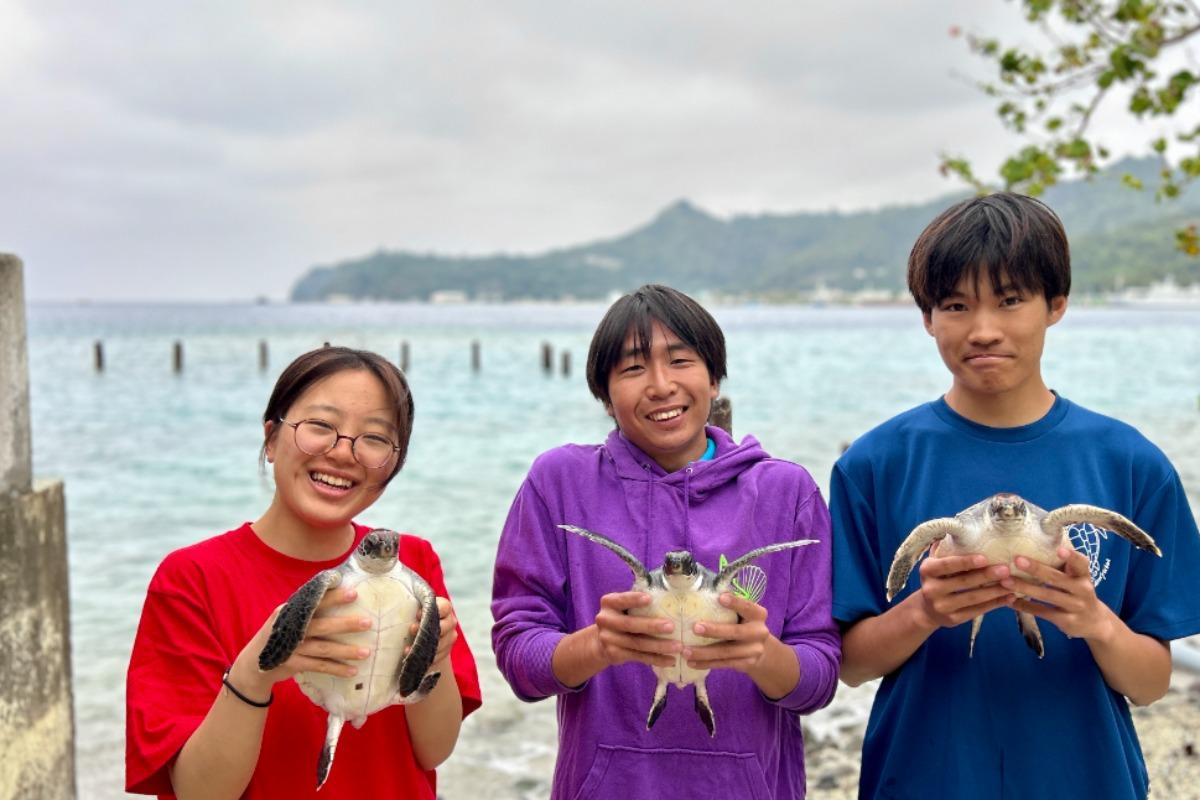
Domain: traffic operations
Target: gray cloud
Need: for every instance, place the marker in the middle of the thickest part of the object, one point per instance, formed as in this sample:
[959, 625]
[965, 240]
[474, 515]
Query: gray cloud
[217, 150]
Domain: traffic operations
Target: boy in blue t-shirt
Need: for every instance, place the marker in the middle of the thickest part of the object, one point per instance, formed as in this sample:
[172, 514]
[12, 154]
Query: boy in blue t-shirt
[990, 275]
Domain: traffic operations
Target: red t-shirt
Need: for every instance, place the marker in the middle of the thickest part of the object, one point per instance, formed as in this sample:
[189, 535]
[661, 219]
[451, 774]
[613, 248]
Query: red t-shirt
[204, 603]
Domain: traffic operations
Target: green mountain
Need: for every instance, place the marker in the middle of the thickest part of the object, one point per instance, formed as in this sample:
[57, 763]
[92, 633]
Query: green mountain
[1119, 237]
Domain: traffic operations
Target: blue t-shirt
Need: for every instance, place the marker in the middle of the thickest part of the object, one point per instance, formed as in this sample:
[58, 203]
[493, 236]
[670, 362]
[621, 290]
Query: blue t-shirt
[1005, 724]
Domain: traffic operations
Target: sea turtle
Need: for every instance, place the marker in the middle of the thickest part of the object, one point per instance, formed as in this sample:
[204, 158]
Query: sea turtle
[390, 595]
[684, 592]
[1003, 527]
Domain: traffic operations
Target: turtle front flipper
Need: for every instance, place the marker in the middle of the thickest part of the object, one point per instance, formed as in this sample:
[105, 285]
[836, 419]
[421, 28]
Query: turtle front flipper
[332, 731]
[726, 575]
[640, 573]
[424, 647]
[1059, 518]
[704, 708]
[914, 546]
[1033, 635]
[292, 622]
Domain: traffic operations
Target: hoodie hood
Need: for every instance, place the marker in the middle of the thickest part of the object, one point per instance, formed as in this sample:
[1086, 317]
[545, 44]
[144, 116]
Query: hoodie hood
[701, 477]
[660, 502]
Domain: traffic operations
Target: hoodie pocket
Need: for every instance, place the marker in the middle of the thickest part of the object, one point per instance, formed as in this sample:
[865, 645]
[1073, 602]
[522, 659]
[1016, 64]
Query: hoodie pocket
[632, 773]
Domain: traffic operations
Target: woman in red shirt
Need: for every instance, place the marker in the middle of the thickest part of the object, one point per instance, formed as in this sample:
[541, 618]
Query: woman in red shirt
[202, 720]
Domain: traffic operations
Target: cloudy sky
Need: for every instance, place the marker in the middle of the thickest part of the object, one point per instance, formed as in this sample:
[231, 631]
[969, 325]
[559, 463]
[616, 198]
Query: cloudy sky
[155, 149]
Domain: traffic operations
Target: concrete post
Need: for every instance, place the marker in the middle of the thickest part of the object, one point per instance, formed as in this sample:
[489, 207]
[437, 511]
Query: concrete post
[37, 727]
[16, 471]
[721, 414]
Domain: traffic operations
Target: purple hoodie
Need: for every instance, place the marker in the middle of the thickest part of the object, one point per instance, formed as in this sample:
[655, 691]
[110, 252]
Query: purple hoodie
[548, 583]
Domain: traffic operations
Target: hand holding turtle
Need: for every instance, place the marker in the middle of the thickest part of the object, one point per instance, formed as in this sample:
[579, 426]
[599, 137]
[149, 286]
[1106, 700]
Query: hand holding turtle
[623, 637]
[743, 644]
[955, 589]
[448, 631]
[1065, 597]
[315, 653]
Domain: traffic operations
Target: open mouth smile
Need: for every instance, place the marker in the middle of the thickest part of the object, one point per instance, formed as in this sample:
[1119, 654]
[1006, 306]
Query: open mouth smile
[328, 482]
[668, 414]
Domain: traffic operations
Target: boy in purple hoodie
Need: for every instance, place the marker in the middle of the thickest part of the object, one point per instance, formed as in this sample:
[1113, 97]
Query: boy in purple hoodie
[663, 481]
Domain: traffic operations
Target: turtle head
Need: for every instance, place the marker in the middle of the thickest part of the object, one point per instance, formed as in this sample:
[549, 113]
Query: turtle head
[378, 550]
[679, 569]
[1006, 508]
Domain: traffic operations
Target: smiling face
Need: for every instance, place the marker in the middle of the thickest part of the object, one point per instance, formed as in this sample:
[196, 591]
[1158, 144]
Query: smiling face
[319, 492]
[992, 341]
[661, 403]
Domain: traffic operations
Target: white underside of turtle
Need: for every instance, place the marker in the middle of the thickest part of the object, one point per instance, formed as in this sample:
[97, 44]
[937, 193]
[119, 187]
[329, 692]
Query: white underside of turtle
[1002, 527]
[392, 597]
[686, 593]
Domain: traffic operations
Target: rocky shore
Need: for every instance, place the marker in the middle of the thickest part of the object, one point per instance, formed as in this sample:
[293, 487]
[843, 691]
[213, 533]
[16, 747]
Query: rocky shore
[1169, 731]
[506, 751]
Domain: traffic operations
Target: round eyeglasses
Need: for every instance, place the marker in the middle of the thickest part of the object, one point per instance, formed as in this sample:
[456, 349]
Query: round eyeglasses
[316, 437]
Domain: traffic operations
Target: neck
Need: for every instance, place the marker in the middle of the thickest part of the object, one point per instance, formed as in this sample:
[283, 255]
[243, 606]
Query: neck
[1013, 409]
[284, 532]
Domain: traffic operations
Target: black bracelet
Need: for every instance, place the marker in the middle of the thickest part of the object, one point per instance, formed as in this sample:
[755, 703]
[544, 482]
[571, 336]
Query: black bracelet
[242, 697]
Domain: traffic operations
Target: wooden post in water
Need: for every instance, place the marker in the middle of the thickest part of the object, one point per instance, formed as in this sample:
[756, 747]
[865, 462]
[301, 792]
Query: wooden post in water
[178, 356]
[404, 355]
[566, 363]
[98, 355]
[547, 358]
[263, 360]
[476, 358]
[721, 414]
[37, 723]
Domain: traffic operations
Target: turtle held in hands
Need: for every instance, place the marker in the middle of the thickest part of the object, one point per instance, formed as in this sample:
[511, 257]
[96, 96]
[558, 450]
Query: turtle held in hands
[1002, 527]
[393, 597]
[685, 592]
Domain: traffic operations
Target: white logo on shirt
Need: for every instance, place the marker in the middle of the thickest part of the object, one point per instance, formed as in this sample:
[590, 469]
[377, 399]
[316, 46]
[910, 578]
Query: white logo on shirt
[1086, 538]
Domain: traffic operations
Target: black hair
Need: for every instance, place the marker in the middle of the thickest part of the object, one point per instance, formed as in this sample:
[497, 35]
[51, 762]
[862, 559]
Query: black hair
[636, 313]
[317, 364]
[1016, 240]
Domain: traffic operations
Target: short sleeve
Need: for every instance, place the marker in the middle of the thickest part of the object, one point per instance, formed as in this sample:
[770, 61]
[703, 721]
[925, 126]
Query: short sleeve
[1161, 598]
[174, 674]
[422, 558]
[857, 574]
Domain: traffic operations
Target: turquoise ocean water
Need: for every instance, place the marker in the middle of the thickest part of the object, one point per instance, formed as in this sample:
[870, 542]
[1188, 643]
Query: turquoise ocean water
[153, 460]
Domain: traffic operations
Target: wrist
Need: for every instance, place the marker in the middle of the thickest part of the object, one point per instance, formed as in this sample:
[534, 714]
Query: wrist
[250, 680]
[913, 610]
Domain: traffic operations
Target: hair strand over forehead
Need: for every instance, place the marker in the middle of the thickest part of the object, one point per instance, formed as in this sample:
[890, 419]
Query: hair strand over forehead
[635, 314]
[1017, 241]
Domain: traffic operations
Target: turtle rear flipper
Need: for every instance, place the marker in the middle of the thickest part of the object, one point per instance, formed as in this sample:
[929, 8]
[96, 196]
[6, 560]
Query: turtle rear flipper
[292, 622]
[914, 546]
[1059, 518]
[704, 709]
[332, 731]
[660, 702]
[1030, 631]
[424, 647]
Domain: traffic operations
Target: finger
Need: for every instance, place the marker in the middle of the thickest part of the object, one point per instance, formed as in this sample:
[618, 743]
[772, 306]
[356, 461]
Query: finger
[1041, 572]
[302, 663]
[337, 597]
[723, 651]
[746, 609]
[642, 644]
[623, 601]
[329, 626]
[1077, 564]
[335, 651]
[445, 609]
[969, 580]
[970, 612]
[950, 565]
[645, 626]
[958, 602]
